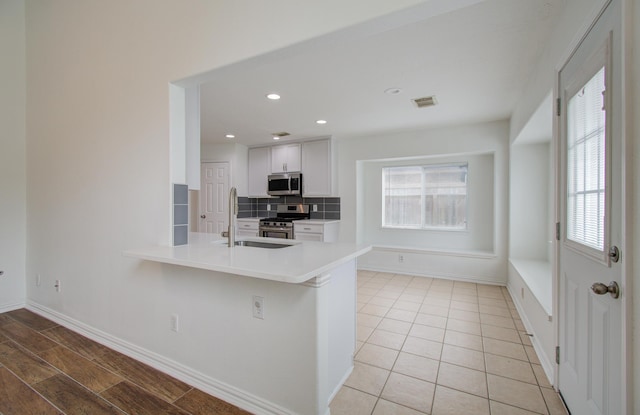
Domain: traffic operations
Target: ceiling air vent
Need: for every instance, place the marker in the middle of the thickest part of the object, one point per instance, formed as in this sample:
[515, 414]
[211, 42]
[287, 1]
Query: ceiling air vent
[425, 101]
[281, 134]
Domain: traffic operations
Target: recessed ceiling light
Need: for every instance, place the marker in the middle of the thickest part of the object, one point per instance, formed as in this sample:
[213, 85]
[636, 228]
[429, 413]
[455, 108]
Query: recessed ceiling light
[321, 122]
[275, 137]
[393, 91]
[273, 96]
[230, 136]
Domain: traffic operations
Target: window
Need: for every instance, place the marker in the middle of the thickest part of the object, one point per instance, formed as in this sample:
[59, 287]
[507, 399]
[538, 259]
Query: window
[586, 164]
[425, 197]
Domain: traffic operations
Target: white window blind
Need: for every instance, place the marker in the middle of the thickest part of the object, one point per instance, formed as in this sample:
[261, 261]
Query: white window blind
[425, 197]
[586, 164]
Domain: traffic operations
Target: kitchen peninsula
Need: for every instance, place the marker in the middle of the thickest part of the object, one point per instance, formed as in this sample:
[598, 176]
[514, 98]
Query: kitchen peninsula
[291, 354]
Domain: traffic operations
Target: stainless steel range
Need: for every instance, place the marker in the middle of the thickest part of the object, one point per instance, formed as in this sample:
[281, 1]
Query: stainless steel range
[282, 225]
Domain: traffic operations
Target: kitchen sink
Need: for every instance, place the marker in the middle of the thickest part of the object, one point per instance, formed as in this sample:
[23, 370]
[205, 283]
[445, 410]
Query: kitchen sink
[258, 244]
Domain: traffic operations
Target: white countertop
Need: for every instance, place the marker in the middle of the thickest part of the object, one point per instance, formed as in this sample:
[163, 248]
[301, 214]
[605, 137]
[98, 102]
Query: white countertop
[295, 264]
[249, 219]
[312, 221]
[317, 221]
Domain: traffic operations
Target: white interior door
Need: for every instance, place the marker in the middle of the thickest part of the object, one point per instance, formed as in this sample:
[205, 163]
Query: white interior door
[590, 324]
[214, 195]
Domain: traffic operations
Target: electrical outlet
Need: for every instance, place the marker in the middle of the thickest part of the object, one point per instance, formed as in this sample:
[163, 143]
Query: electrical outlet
[38, 280]
[400, 258]
[268, 207]
[258, 307]
[58, 286]
[174, 323]
[315, 208]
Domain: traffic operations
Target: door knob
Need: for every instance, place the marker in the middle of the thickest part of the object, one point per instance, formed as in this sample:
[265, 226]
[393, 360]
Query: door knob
[203, 216]
[601, 289]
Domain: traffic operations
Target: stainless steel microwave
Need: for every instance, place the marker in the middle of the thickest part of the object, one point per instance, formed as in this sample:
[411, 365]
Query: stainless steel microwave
[285, 184]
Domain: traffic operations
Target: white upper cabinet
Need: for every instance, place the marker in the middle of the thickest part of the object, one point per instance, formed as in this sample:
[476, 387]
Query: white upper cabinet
[316, 168]
[312, 158]
[259, 169]
[285, 158]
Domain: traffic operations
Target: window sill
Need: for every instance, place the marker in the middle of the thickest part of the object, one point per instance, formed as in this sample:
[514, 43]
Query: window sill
[466, 254]
[400, 228]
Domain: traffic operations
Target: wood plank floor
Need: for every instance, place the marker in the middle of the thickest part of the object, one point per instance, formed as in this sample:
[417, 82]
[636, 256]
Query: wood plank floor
[48, 369]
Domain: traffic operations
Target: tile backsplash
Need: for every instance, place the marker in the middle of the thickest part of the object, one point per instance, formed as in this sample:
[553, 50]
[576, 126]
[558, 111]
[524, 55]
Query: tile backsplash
[180, 214]
[327, 207]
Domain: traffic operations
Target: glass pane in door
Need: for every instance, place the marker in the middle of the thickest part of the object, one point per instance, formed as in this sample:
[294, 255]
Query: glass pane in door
[586, 164]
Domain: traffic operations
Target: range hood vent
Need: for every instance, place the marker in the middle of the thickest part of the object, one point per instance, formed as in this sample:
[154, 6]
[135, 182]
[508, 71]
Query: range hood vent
[425, 101]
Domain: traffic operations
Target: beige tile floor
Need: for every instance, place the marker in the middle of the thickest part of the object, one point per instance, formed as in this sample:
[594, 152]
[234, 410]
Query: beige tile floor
[433, 346]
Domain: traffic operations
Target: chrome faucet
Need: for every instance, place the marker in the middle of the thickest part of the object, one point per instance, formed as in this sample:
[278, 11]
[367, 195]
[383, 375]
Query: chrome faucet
[233, 213]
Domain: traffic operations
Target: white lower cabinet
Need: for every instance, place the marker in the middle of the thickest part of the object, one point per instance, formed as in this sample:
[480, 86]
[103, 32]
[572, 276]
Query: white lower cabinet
[307, 236]
[303, 230]
[247, 227]
[315, 231]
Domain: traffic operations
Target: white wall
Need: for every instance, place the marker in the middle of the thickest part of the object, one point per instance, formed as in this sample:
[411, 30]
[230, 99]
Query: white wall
[529, 194]
[98, 76]
[542, 79]
[12, 155]
[192, 136]
[422, 259]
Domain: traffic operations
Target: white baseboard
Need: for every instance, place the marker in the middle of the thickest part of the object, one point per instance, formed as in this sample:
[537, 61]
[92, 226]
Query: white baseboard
[341, 383]
[228, 393]
[10, 307]
[453, 277]
[545, 362]
[438, 252]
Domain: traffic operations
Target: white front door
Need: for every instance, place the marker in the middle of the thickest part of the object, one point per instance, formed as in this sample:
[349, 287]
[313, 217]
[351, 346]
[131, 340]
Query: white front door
[214, 197]
[591, 354]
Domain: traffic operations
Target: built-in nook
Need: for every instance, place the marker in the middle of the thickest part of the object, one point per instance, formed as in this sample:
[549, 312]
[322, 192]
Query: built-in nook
[532, 227]
[477, 253]
[530, 238]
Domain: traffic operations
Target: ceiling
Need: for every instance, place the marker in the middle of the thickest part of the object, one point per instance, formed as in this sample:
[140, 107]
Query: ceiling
[475, 60]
